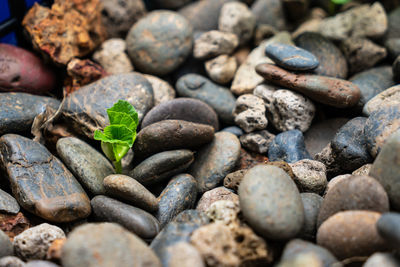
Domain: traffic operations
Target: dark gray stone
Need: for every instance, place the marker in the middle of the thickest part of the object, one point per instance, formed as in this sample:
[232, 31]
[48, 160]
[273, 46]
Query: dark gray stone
[312, 203]
[393, 47]
[8, 204]
[269, 12]
[233, 130]
[388, 227]
[288, 146]
[396, 69]
[6, 247]
[394, 24]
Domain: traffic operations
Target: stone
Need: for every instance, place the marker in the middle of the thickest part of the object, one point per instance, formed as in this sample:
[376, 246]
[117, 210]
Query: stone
[236, 17]
[159, 42]
[170, 4]
[86, 163]
[185, 255]
[393, 19]
[312, 21]
[34, 242]
[258, 141]
[363, 170]
[54, 251]
[183, 108]
[262, 32]
[214, 43]
[296, 10]
[233, 180]
[112, 56]
[69, 29]
[393, 47]
[23, 71]
[12, 224]
[388, 229]
[221, 69]
[40, 182]
[162, 90]
[233, 130]
[284, 166]
[302, 259]
[269, 12]
[382, 259]
[248, 159]
[180, 194]
[326, 156]
[201, 88]
[138, 221]
[129, 190]
[291, 57]
[396, 69]
[388, 97]
[335, 180]
[326, 90]
[331, 60]
[312, 204]
[309, 176]
[6, 247]
[225, 212]
[106, 244]
[271, 203]
[11, 261]
[119, 16]
[215, 160]
[249, 113]
[40, 263]
[8, 204]
[351, 234]
[214, 195]
[288, 146]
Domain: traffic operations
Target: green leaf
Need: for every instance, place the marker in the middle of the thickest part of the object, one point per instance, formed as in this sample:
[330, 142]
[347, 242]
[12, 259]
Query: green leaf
[114, 151]
[123, 113]
[340, 2]
[116, 134]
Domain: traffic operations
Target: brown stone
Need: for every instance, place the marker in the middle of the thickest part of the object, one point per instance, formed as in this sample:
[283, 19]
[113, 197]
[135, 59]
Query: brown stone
[249, 159]
[216, 194]
[232, 180]
[13, 225]
[284, 166]
[54, 251]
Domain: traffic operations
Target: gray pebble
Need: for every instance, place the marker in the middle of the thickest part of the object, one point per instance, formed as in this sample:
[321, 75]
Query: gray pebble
[258, 141]
[8, 204]
[250, 113]
[288, 146]
[312, 203]
[214, 43]
[6, 247]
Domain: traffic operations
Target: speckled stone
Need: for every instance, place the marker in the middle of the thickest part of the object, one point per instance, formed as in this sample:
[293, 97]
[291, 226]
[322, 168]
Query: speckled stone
[382, 259]
[214, 43]
[233, 180]
[312, 204]
[8, 203]
[271, 202]
[199, 87]
[17, 111]
[258, 141]
[214, 161]
[363, 170]
[11, 261]
[214, 195]
[396, 69]
[269, 12]
[56, 196]
[388, 228]
[162, 90]
[221, 69]
[160, 42]
[249, 113]
[288, 146]
[183, 108]
[180, 194]
[106, 244]
[309, 175]
[6, 247]
[388, 97]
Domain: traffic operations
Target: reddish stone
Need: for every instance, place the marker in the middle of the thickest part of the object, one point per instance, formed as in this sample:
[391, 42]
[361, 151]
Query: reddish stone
[250, 159]
[13, 225]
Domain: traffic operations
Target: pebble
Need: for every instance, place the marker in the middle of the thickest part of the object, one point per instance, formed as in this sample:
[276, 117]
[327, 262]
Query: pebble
[171, 134]
[86, 163]
[214, 43]
[18, 110]
[236, 17]
[309, 176]
[170, 4]
[185, 255]
[382, 259]
[258, 141]
[39, 263]
[179, 195]
[34, 242]
[138, 221]
[158, 43]
[269, 12]
[11, 261]
[8, 203]
[6, 247]
[350, 234]
[12, 224]
[183, 108]
[249, 113]
[396, 69]
[128, 189]
[56, 196]
[106, 244]
[291, 57]
[162, 90]
[23, 71]
[215, 160]
[388, 228]
[312, 204]
[262, 32]
[393, 19]
[233, 130]
[224, 211]
[302, 259]
[393, 47]
[363, 170]
[201, 88]
[326, 156]
[326, 90]
[233, 180]
[271, 203]
[288, 146]
[217, 194]
[221, 69]
[388, 97]
[284, 166]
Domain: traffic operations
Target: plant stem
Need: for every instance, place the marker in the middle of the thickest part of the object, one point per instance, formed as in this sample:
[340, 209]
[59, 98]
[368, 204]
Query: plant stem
[118, 167]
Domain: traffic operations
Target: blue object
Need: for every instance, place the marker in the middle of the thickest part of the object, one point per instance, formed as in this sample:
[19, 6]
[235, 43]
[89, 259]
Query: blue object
[4, 11]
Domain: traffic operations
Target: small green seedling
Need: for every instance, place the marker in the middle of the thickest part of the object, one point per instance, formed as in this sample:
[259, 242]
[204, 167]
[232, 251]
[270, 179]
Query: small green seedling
[118, 137]
[335, 3]
[340, 2]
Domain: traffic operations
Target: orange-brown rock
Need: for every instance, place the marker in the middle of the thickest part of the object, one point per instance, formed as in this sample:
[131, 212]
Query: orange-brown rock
[54, 251]
[13, 225]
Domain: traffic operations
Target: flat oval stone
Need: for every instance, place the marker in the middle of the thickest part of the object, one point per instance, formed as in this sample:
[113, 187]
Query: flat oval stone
[17, 111]
[133, 219]
[179, 195]
[128, 189]
[171, 134]
[40, 182]
[219, 98]
[312, 204]
[326, 90]
[186, 109]
[162, 166]
[87, 107]
[271, 203]
[288, 146]
[388, 227]
[6, 247]
[106, 244]
[86, 163]
[8, 204]
[388, 97]
[216, 160]
[351, 234]
[291, 57]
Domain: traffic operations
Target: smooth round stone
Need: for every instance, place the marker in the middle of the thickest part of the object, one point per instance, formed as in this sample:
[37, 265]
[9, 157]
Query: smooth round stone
[388, 227]
[6, 247]
[312, 203]
[215, 160]
[8, 204]
[233, 130]
[270, 12]
[18, 110]
[137, 221]
[288, 146]
[39, 263]
[221, 69]
[185, 255]
[382, 259]
[162, 166]
[86, 108]
[331, 60]
[171, 134]
[162, 90]
[186, 109]
[291, 57]
[388, 97]
[211, 44]
[23, 71]
[106, 244]
[214, 195]
[179, 195]
[350, 234]
[354, 193]
[158, 43]
[271, 203]
[128, 189]
[86, 163]
[56, 196]
[219, 98]
[379, 126]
